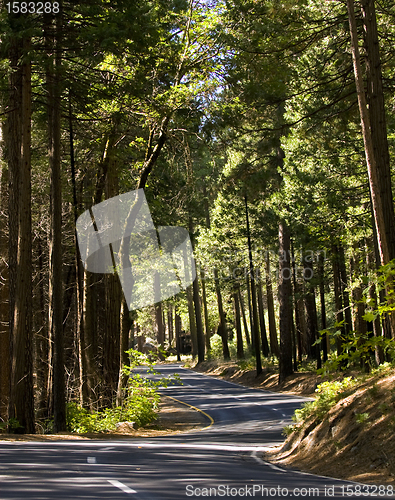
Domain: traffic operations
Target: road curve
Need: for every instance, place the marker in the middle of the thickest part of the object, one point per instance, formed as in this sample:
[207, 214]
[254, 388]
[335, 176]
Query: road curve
[221, 460]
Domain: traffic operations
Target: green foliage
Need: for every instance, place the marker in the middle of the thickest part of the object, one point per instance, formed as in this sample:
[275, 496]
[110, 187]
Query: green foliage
[216, 347]
[361, 418]
[12, 425]
[247, 363]
[45, 425]
[288, 430]
[383, 369]
[140, 405]
[79, 419]
[383, 280]
[356, 347]
[329, 393]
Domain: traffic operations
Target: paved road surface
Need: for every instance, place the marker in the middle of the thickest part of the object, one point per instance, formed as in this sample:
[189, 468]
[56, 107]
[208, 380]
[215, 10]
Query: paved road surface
[224, 456]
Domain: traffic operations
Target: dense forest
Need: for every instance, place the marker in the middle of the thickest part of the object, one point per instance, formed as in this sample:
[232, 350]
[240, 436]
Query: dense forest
[266, 129]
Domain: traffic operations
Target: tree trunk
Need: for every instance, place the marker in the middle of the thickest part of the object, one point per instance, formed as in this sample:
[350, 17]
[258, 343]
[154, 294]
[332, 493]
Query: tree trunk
[239, 336]
[338, 299]
[165, 327]
[250, 313]
[207, 335]
[113, 291]
[311, 327]
[111, 339]
[170, 323]
[21, 397]
[177, 321]
[374, 129]
[270, 309]
[191, 311]
[42, 340]
[222, 321]
[253, 296]
[199, 324]
[311, 312]
[376, 325]
[160, 328]
[53, 29]
[296, 293]
[284, 295]
[294, 354]
[243, 314]
[325, 339]
[88, 372]
[359, 324]
[123, 355]
[378, 129]
[196, 303]
[13, 149]
[192, 321]
[344, 288]
[78, 265]
[5, 339]
[261, 309]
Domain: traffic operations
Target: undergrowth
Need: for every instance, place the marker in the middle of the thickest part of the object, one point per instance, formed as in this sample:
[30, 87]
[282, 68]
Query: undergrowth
[140, 404]
[328, 394]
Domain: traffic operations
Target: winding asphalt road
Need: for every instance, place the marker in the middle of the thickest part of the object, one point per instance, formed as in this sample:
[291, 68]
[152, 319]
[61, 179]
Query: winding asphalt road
[221, 460]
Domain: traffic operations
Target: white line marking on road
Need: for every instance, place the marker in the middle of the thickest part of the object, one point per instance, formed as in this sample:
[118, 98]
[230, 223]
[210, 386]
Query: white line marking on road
[121, 486]
[262, 462]
[153, 445]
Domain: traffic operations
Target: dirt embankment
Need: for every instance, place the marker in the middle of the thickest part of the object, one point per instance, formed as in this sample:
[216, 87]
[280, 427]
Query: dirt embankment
[354, 440]
[303, 383]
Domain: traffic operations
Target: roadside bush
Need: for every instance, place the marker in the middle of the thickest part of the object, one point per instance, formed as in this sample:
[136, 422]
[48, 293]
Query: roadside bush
[247, 363]
[79, 419]
[140, 404]
[288, 430]
[329, 393]
[11, 425]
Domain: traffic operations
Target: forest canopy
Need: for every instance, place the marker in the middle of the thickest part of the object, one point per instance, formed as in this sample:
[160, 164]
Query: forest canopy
[265, 129]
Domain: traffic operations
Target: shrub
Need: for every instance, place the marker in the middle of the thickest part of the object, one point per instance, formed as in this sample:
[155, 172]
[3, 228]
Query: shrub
[329, 393]
[361, 418]
[11, 425]
[215, 351]
[247, 364]
[288, 430]
[140, 405]
[79, 419]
